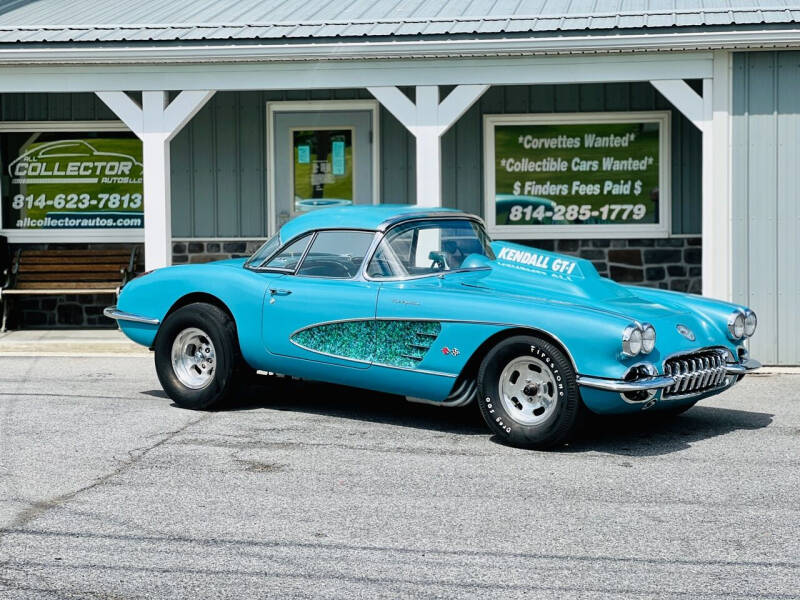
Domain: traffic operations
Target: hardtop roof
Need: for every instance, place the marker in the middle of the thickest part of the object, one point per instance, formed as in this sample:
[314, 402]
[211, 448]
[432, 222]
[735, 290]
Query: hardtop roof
[359, 217]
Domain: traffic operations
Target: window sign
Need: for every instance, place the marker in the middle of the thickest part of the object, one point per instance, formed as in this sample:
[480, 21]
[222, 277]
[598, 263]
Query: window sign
[577, 175]
[71, 180]
[323, 168]
[338, 157]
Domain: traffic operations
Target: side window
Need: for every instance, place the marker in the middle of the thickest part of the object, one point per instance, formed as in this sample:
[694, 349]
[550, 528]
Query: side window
[290, 256]
[427, 247]
[264, 252]
[336, 254]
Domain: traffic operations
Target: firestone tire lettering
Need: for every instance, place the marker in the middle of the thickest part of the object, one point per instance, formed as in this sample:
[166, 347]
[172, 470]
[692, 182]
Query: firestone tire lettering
[565, 417]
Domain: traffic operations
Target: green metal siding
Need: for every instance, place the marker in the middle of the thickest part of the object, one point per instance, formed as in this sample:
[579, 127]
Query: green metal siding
[53, 107]
[765, 192]
[219, 159]
[219, 179]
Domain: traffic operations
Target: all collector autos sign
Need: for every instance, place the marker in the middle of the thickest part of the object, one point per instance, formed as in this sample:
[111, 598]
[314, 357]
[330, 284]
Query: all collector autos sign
[608, 171]
[73, 181]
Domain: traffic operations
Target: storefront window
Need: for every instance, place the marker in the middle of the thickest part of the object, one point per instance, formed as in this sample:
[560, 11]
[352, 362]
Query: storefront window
[68, 180]
[577, 175]
[323, 168]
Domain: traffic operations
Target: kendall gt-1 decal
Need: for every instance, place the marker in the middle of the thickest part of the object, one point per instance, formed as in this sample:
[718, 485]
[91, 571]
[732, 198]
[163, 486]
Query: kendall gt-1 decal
[538, 260]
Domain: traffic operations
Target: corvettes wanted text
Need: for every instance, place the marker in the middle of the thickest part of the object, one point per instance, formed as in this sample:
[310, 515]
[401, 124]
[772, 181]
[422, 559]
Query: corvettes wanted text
[421, 303]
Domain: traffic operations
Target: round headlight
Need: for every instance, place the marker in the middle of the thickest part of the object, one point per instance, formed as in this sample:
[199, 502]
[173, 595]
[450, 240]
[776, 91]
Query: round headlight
[648, 338]
[736, 325]
[632, 340]
[750, 323]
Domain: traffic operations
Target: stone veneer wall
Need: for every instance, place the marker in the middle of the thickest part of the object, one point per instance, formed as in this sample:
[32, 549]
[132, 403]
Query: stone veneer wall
[672, 263]
[63, 310]
[201, 252]
[666, 263]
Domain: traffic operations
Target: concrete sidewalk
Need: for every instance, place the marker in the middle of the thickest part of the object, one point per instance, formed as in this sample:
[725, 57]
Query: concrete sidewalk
[68, 342]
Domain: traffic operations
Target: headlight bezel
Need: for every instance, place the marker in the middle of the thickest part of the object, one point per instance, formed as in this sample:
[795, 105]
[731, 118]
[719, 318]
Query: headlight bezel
[750, 317]
[736, 322]
[632, 340]
[648, 341]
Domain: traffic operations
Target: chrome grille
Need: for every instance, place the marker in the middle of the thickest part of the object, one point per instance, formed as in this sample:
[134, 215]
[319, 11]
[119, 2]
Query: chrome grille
[695, 373]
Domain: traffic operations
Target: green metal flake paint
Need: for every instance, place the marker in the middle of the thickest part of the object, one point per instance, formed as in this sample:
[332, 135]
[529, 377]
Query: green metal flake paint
[392, 343]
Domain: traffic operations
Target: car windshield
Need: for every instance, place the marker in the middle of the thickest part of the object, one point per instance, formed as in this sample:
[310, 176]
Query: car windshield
[426, 247]
[266, 250]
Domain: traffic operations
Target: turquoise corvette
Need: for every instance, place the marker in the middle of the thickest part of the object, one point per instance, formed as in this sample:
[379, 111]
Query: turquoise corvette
[419, 302]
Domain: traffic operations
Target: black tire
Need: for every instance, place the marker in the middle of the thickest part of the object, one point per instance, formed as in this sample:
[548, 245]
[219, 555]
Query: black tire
[228, 365]
[554, 382]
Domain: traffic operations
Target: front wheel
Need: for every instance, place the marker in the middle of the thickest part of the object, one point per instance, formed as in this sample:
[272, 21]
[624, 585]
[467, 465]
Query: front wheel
[528, 393]
[197, 356]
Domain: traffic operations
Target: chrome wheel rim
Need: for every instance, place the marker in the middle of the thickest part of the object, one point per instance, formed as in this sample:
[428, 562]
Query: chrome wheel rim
[194, 359]
[528, 390]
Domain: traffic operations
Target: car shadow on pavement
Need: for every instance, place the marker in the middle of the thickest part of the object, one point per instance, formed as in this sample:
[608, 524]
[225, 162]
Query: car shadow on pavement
[653, 434]
[357, 404]
[643, 434]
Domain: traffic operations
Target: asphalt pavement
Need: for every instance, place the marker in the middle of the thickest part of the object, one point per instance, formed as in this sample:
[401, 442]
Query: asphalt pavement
[300, 490]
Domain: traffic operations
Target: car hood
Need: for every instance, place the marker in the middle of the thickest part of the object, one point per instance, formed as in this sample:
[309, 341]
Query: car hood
[528, 274]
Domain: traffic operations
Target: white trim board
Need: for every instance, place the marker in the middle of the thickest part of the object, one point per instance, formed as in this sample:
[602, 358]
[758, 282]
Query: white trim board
[323, 72]
[40, 236]
[319, 106]
[661, 229]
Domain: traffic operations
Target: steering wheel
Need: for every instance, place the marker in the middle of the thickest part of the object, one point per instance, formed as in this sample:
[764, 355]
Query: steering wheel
[327, 268]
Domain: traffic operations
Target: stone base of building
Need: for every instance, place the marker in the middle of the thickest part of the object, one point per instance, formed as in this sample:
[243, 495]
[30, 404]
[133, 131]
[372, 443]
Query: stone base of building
[62, 311]
[198, 251]
[672, 263]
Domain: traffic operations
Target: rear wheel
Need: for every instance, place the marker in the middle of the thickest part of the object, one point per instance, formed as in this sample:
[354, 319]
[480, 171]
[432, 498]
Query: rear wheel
[197, 356]
[528, 393]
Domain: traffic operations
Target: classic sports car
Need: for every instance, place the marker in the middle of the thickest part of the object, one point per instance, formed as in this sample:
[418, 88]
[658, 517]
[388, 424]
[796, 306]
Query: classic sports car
[421, 303]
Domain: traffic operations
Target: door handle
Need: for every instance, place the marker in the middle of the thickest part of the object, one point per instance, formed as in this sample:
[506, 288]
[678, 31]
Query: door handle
[276, 292]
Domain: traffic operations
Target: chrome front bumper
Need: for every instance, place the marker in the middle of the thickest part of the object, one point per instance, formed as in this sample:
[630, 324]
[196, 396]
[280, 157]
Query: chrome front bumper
[748, 365]
[119, 315]
[657, 382]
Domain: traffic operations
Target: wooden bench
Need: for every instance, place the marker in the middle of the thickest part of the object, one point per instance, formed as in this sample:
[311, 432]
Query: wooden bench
[50, 272]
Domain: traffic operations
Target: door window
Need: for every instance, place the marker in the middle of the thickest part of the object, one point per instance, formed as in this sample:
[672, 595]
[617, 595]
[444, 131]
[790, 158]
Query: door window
[336, 254]
[323, 168]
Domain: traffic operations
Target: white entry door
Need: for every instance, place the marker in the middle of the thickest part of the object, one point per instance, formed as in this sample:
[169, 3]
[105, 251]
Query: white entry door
[320, 158]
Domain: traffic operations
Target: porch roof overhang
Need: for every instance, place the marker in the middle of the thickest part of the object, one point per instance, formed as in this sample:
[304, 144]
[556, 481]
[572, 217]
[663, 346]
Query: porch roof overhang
[326, 63]
[394, 48]
[90, 45]
[354, 73]
[74, 48]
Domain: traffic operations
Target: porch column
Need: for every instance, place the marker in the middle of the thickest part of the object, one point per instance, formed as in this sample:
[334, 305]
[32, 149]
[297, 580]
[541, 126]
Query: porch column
[156, 121]
[428, 119]
[710, 114]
